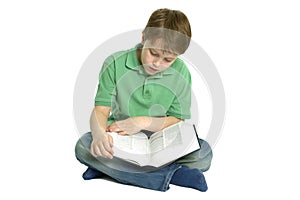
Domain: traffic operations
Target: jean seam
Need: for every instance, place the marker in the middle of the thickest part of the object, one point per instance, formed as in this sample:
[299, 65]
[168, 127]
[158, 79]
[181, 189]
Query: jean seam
[168, 178]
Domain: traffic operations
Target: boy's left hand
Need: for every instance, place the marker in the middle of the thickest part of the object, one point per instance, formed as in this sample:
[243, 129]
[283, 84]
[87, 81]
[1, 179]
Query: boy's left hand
[128, 126]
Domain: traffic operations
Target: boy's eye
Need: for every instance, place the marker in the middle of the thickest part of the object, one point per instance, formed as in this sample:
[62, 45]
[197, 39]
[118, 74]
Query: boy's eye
[168, 60]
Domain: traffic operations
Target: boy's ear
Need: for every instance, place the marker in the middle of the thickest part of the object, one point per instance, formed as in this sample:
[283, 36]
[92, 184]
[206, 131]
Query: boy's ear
[143, 38]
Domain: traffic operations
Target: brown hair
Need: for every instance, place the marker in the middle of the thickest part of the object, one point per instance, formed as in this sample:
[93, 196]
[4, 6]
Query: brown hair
[170, 19]
[172, 27]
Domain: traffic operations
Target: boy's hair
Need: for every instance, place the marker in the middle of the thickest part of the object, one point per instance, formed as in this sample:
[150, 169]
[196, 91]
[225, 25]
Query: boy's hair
[170, 26]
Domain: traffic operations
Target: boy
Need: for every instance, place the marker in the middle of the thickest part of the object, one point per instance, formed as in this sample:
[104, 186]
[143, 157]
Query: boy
[144, 88]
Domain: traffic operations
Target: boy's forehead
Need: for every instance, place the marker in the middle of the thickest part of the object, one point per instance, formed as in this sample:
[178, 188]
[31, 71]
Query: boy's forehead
[160, 46]
[166, 39]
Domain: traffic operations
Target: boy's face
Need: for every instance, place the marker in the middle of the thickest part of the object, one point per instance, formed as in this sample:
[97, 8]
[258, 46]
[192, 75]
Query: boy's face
[155, 60]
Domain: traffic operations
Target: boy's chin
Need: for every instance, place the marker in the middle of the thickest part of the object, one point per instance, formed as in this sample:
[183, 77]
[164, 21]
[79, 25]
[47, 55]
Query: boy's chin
[150, 71]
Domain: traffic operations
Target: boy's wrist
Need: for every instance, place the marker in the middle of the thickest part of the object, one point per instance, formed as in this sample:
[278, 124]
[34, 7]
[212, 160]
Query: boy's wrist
[142, 122]
[150, 123]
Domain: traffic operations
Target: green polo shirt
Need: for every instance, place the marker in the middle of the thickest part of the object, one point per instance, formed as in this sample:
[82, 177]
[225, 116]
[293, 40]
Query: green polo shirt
[130, 91]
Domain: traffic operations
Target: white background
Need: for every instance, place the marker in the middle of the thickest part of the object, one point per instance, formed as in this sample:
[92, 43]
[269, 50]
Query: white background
[254, 45]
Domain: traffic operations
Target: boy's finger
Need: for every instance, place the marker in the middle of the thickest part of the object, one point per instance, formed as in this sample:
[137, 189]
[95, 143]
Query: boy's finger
[107, 150]
[111, 140]
[116, 129]
[122, 133]
[95, 151]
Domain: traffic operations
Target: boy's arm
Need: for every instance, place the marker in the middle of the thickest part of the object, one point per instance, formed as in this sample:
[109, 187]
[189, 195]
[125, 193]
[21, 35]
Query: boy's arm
[135, 124]
[102, 141]
[155, 124]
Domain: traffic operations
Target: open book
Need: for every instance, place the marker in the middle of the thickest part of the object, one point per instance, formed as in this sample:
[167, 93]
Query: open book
[159, 148]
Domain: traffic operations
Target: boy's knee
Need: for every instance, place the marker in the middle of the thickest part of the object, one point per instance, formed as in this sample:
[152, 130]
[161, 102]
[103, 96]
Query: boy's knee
[79, 149]
[82, 147]
[205, 150]
[205, 155]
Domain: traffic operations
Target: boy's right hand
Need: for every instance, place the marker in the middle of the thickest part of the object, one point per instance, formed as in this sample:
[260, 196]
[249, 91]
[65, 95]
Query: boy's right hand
[102, 145]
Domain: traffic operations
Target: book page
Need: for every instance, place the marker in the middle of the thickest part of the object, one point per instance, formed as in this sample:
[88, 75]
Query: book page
[156, 142]
[136, 144]
[162, 139]
[172, 135]
[140, 143]
[181, 142]
[162, 147]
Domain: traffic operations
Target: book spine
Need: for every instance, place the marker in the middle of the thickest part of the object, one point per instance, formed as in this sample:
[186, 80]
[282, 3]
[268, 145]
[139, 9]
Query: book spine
[197, 135]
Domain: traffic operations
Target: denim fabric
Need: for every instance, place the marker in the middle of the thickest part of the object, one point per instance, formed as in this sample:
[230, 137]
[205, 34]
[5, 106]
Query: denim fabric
[200, 159]
[126, 173]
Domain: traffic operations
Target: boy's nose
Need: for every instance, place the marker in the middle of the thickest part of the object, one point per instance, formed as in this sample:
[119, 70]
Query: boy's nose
[156, 63]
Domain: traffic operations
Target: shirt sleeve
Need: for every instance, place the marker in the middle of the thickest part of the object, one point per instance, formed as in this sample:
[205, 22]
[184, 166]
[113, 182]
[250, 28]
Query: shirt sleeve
[106, 84]
[181, 105]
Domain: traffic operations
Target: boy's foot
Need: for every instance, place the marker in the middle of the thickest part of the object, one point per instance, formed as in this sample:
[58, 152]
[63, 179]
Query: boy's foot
[92, 174]
[192, 178]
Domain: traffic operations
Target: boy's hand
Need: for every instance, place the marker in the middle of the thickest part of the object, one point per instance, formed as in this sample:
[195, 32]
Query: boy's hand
[128, 126]
[102, 145]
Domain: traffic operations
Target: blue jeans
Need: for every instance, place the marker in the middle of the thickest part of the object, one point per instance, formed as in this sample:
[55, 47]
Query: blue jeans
[126, 173]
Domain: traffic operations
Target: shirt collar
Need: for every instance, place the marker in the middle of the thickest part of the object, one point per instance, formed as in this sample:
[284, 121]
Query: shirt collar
[132, 61]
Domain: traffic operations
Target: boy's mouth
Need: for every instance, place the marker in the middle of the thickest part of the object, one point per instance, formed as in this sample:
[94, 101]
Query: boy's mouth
[152, 69]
